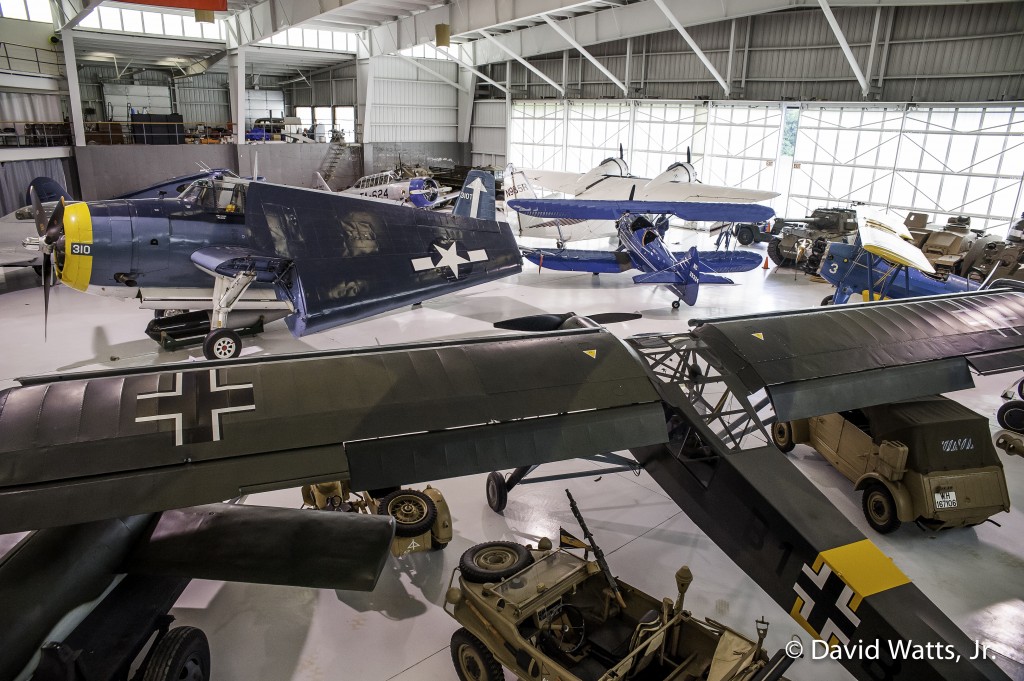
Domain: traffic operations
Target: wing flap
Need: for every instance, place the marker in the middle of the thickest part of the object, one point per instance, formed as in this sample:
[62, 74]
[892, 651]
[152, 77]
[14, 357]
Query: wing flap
[230, 261]
[257, 544]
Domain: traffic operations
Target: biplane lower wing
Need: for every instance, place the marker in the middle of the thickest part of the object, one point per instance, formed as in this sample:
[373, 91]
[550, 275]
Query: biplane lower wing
[594, 209]
[711, 263]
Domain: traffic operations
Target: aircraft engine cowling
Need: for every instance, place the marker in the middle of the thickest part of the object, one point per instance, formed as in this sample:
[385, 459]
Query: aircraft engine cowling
[681, 171]
[423, 191]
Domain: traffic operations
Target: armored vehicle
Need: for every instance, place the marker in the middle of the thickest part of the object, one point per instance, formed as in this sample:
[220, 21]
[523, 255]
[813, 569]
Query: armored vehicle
[422, 519]
[550, 614]
[946, 246]
[929, 460]
[993, 259]
[802, 242]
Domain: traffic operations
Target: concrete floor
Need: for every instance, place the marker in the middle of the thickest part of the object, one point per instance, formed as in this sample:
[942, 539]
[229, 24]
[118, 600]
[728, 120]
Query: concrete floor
[399, 632]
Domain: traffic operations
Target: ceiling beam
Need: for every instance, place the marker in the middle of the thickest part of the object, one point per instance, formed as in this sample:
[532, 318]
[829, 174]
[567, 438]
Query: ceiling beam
[445, 54]
[600, 67]
[69, 13]
[845, 46]
[420, 65]
[693, 44]
[522, 61]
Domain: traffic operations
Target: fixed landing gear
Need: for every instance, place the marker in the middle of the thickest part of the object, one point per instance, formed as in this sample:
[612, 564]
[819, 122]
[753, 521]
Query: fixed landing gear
[222, 344]
[675, 304]
[559, 245]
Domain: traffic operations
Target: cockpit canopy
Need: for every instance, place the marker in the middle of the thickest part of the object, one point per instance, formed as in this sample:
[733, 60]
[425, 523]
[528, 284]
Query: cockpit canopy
[223, 197]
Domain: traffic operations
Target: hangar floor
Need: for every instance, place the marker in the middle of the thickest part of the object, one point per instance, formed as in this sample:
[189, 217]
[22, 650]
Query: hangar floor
[399, 632]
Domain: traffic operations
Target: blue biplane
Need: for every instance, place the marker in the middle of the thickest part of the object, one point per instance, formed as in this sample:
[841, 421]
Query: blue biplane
[642, 246]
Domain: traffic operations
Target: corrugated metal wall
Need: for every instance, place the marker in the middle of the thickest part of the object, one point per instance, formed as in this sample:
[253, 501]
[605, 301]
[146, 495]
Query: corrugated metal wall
[333, 87]
[937, 53]
[489, 132]
[410, 104]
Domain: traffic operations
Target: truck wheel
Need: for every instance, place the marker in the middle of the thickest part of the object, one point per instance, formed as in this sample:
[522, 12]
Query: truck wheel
[1011, 416]
[182, 655]
[782, 436]
[493, 561]
[775, 254]
[472, 660]
[222, 344]
[744, 235]
[497, 491]
[880, 508]
[413, 511]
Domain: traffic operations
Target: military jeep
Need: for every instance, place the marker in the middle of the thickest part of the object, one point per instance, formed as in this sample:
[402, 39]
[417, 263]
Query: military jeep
[550, 614]
[929, 460]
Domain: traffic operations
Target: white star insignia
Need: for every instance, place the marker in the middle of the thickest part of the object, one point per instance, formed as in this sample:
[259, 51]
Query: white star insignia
[450, 259]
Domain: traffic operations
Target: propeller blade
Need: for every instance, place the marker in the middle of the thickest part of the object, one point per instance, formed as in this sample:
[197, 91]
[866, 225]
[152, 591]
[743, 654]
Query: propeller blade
[534, 323]
[614, 317]
[688, 157]
[55, 227]
[47, 275]
[37, 211]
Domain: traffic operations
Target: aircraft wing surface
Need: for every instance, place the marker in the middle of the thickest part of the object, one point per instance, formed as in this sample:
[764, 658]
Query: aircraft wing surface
[709, 193]
[613, 210]
[12, 233]
[820, 361]
[555, 180]
[580, 260]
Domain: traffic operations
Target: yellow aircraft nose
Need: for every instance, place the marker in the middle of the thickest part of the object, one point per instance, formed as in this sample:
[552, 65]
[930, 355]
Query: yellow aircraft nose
[74, 249]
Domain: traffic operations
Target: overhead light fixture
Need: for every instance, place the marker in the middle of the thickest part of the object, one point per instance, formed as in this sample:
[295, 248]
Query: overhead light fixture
[443, 35]
[204, 16]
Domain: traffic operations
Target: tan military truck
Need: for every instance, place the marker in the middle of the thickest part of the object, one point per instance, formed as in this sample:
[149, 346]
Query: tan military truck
[550, 614]
[929, 460]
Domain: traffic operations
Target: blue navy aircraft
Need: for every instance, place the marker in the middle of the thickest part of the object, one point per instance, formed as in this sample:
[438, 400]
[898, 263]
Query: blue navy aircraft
[229, 255]
[642, 243]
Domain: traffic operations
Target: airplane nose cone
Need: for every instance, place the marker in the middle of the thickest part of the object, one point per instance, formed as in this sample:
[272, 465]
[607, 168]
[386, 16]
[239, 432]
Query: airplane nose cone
[73, 252]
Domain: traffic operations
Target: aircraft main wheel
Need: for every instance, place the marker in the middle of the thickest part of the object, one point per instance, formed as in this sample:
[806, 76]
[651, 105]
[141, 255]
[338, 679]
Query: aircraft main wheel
[222, 344]
[493, 561]
[472, 660]
[559, 245]
[828, 300]
[782, 435]
[675, 304]
[1011, 416]
[414, 512]
[880, 508]
[745, 235]
[497, 491]
[182, 655]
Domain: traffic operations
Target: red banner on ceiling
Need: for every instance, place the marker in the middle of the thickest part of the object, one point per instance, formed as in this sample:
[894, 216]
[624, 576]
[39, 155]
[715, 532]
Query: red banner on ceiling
[211, 5]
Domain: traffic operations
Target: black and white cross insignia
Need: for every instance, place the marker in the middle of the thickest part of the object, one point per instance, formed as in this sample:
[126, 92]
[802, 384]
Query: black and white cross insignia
[195, 404]
[824, 604]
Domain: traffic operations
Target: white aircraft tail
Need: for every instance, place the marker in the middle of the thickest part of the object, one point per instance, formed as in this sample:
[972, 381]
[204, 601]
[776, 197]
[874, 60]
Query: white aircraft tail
[517, 186]
[321, 183]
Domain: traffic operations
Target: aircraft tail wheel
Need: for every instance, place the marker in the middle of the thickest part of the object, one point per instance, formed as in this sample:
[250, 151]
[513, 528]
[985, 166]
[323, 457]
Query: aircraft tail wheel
[675, 304]
[880, 508]
[497, 491]
[1011, 416]
[828, 300]
[222, 344]
[182, 654]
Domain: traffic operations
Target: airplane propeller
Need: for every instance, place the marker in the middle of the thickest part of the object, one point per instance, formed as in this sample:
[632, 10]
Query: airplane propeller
[569, 320]
[52, 242]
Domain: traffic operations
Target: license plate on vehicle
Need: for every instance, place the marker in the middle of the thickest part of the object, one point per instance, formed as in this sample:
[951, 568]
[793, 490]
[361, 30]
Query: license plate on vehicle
[945, 500]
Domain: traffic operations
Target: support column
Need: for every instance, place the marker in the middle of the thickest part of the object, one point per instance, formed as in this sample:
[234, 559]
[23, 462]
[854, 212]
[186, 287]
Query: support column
[74, 91]
[236, 85]
[466, 102]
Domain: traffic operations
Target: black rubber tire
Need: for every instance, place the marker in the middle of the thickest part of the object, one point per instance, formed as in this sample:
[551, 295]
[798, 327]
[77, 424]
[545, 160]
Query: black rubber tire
[472, 660]
[744, 235]
[222, 344]
[1011, 416]
[880, 508]
[828, 300]
[493, 561]
[675, 304]
[1020, 389]
[182, 655]
[559, 245]
[775, 255]
[414, 512]
[782, 436]
[437, 545]
[497, 491]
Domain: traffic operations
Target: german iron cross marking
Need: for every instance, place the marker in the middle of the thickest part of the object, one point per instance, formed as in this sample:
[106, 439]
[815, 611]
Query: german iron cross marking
[195, 404]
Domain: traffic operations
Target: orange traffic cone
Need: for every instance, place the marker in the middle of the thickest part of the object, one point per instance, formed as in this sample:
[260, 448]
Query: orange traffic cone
[765, 266]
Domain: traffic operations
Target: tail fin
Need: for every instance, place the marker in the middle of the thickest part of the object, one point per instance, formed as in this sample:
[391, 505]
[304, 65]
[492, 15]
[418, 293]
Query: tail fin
[517, 186]
[476, 200]
[322, 183]
[47, 190]
[683, 277]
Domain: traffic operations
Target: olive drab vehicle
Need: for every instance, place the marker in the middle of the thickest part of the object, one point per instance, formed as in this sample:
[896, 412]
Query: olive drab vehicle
[992, 259]
[929, 460]
[423, 521]
[801, 242]
[947, 246]
[547, 614]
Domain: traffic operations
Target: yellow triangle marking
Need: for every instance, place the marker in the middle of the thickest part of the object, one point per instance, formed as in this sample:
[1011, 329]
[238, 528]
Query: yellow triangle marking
[758, 336]
[591, 353]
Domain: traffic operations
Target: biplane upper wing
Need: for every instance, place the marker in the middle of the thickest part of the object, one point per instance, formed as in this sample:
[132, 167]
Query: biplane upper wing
[892, 243]
[819, 361]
